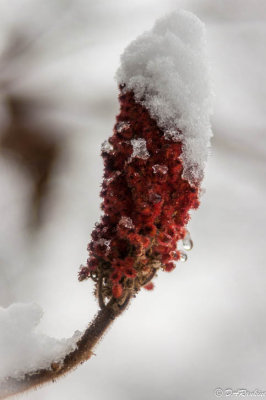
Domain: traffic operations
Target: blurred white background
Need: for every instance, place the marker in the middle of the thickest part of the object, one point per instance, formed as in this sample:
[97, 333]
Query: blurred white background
[204, 325]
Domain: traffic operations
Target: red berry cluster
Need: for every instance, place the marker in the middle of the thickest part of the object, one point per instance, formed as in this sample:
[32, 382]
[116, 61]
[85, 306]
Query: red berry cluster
[146, 205]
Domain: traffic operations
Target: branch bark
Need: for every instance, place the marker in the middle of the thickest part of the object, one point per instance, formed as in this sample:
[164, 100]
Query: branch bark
[82, 353]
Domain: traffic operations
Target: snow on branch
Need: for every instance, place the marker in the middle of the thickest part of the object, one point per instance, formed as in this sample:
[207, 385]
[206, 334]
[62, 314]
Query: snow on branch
[22, 349]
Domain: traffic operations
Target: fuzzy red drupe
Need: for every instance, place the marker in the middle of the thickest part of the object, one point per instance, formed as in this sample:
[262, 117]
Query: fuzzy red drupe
[146, 205]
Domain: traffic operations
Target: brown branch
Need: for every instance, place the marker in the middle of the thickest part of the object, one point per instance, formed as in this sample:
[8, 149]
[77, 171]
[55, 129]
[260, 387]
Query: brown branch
[82, 353]
[99, 292]
[149, 277]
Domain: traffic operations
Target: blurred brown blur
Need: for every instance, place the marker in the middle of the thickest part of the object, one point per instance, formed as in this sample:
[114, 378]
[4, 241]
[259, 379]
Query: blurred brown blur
[32, 149]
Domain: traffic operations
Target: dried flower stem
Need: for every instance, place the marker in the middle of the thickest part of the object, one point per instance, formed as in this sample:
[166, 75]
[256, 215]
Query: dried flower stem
[82, 353]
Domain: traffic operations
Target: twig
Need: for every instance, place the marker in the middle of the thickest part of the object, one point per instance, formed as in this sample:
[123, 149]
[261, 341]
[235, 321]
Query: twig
[149, 277]
[82, 353]
[99, 292]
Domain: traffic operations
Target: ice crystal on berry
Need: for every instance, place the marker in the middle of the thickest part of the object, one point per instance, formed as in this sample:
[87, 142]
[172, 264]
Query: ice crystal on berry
[122, 126]
[126, 222]
[106, 147]
[139, 148]
[114, 175]
[162, 169]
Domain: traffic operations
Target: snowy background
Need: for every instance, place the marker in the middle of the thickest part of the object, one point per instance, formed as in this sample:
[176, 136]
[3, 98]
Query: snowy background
[204, 326]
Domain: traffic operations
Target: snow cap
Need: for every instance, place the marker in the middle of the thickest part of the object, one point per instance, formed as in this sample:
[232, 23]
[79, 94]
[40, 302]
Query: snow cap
[167, 70]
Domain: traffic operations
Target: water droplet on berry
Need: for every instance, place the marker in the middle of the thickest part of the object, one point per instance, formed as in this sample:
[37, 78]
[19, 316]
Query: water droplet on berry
[183, 256]
[187, 241]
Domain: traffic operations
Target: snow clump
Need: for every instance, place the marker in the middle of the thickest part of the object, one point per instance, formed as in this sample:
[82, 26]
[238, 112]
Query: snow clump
[167, 70]
[22, 349]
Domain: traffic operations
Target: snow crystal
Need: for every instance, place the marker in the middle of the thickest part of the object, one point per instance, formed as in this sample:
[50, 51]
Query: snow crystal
[106, 147]
[113, 177]
[157, 168]
[173, 134]
[121, 126]
[167, 70]
[103, 243]
[126, 222]
[139, 149]
[23, 350]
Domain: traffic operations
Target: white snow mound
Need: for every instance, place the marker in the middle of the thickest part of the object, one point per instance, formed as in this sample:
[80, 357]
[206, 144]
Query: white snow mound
[167, 70]
[22, 350]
